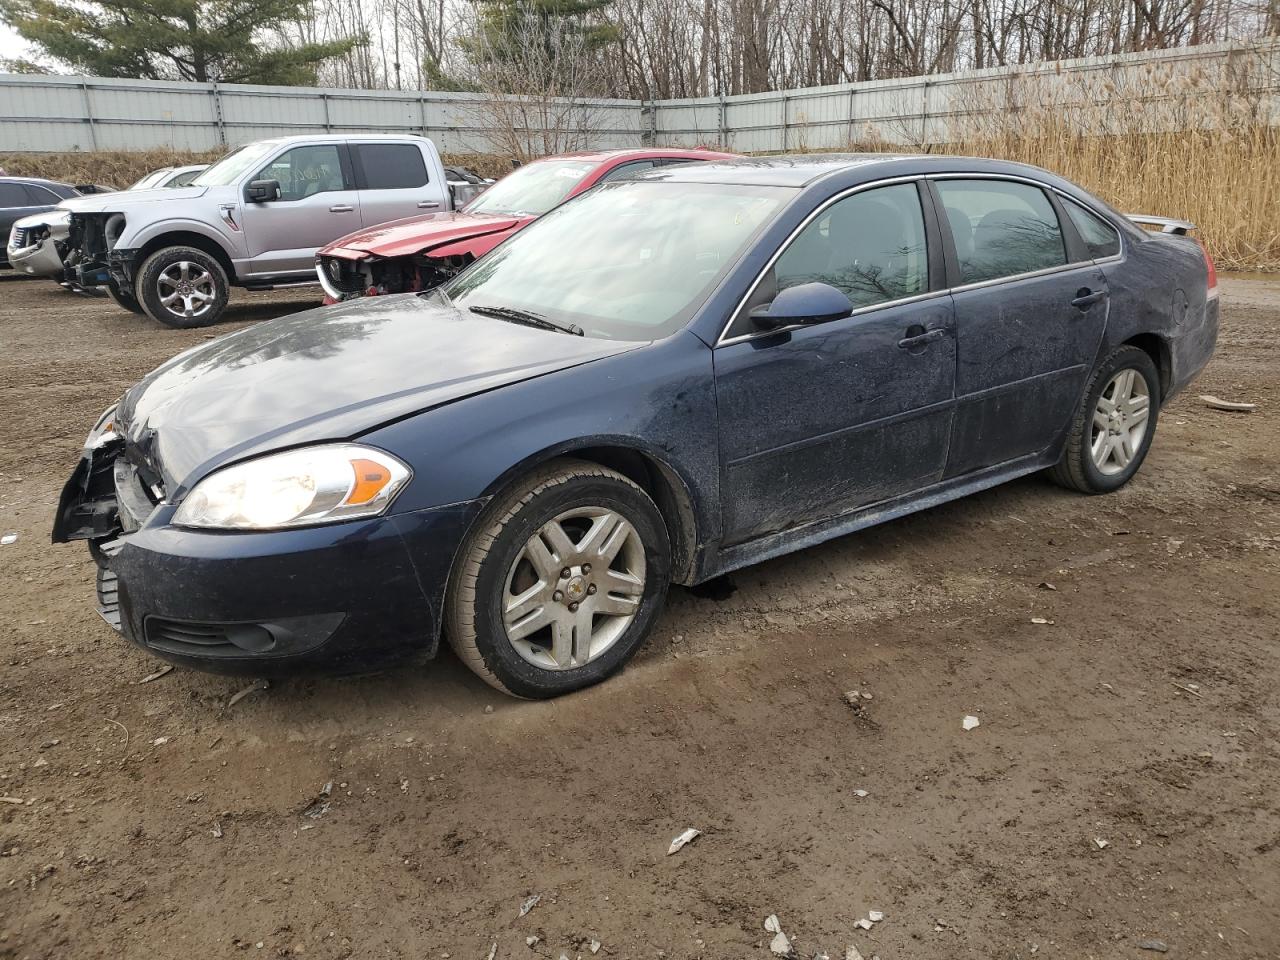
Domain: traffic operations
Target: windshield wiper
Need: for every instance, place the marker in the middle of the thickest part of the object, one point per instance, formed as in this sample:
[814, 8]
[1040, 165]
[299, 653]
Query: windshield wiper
[528, 318]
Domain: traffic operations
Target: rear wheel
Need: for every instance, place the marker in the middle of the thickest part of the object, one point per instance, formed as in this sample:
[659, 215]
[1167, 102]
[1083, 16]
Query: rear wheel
[183, 287]
[560, 583]
[125, 299]
[1113, 429]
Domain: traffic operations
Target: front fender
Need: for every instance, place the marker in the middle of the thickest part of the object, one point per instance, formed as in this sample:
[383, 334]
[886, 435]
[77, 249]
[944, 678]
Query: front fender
[232, 243]
[658, 401]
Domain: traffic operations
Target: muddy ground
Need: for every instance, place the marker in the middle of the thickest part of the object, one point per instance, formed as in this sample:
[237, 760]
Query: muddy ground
[1124, 784]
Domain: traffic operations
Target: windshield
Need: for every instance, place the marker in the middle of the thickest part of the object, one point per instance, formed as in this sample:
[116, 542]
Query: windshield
[235, 164]
[151, 179]
[532, 190]
[632, 260]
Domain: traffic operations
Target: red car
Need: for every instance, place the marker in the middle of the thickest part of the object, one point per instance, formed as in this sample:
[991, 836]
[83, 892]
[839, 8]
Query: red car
[422, 252]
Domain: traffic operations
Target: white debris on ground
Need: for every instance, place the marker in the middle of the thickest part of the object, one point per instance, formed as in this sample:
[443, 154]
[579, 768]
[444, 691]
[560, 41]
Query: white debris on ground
[529, 904]
[780, 944]
[970, 722]
[686, 837]
[1102, 844]
[1232, 406]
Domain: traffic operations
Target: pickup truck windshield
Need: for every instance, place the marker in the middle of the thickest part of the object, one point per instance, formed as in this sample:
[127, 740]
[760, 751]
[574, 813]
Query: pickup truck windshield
[234, 165]
[632, 260]
[533, 189]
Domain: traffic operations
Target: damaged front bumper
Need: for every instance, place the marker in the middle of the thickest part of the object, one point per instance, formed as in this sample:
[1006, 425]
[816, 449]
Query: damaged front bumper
[347, 598]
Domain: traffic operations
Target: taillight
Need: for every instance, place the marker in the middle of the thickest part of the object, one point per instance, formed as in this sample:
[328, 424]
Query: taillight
[1211, 281]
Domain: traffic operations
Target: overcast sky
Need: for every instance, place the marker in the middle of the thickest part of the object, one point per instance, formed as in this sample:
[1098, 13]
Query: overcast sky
[12, 45]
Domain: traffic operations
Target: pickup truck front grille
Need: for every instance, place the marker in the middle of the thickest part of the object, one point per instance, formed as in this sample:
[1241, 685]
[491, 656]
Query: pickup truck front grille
[345, 275]
[18, 238]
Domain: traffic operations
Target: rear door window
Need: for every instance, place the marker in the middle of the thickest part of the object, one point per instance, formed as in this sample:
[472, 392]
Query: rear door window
[389, 166]
[1100, 237]
[1001, 228]
[41, 196]
[12, 195]
[625, 171]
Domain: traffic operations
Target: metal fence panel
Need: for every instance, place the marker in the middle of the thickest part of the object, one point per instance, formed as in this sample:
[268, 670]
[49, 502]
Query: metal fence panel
[40, 113]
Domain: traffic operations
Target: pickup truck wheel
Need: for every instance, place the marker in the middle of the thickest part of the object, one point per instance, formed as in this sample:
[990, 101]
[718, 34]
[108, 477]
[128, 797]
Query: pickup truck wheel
[183, 287]
[1112, 431]
[560, 582]
[124, 298]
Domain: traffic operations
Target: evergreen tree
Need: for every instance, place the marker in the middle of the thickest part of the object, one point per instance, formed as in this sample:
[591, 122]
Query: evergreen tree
[507, 26]
[202, 40]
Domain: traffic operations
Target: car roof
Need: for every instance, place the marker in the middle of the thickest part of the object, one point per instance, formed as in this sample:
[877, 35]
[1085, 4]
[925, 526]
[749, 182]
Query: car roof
[800, 170]
[36, 180]
[312, 137]
[638, 153]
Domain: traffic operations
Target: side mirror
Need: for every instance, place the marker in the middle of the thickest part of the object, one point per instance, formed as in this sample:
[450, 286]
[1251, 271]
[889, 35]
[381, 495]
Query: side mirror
[806, 303]
[262, 191]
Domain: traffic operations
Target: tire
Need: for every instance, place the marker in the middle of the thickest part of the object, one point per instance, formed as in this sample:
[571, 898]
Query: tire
[494, 566]
[1080, 467]
[197, 279]
[125, 299]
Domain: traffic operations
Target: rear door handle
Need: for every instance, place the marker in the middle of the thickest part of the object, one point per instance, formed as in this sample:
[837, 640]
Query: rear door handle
[917, 336]
[341, 208]
[429, 205]
[1086, 298]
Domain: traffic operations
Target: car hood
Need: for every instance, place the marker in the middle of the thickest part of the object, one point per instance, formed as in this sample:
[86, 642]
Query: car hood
[329, 374]
[123, 199]
[49, 217]
[416, 234]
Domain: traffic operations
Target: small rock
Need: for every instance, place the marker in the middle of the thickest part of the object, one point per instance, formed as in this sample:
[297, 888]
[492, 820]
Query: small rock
[780, 944]
[531, 941]
[875, 916]
[595, 946]
[488, 708]
[159, 741]
[1102, 844]
[217, 830]
[970, 722]
[8, 538]
[1159, 946]
[771, 924]
[852, 953]
[1041, 621]
[1046, 585]
[860, 793]
[863, 924]
[493, 950]
[40, 762]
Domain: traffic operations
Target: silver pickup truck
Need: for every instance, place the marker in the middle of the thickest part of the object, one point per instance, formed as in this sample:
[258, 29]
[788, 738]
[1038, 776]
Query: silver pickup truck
[254, 219]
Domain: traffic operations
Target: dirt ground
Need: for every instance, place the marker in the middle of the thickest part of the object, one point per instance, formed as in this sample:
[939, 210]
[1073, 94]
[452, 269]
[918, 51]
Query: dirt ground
[1124, 784]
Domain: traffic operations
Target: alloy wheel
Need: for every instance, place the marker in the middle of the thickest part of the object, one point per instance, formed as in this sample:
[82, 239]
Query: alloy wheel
[574, 588]
[186, 289]
[1120, 421]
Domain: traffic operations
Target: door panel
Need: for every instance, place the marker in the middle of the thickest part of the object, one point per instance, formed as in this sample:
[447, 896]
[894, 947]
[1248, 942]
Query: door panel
[315, 208]
[1023, 350]
[394, 182]
[828, 418]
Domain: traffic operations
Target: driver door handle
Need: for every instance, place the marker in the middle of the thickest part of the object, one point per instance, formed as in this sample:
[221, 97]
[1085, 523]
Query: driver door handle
[1086, 298]
[915, 339]
[429, 205]
[341, 208]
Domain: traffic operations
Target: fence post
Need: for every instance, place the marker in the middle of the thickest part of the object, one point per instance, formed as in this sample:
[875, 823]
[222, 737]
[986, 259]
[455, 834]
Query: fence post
[422, 114]
[217, 115]
[88, 113]
[784, 122]
[924, 113]
[324, 98]
[724, 127]
[849, 139]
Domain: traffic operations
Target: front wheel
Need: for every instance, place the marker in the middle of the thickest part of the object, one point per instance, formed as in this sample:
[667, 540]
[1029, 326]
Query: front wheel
[183, 287]
[1113, 429]
[560, 583]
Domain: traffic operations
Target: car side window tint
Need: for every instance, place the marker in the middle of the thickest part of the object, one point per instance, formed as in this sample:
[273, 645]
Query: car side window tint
[12, 195]
[182, 179]
[870, 245]
[1101, 238]
[625, 171]
[305, 171]
[1001, 228]
[41, 196]
[391, 166]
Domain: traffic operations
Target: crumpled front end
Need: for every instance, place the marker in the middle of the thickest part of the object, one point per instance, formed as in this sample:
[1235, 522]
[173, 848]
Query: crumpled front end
[345, 275]
[37, 245]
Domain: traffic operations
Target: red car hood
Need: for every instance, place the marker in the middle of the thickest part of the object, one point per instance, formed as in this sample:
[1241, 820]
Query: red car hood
[403, 237]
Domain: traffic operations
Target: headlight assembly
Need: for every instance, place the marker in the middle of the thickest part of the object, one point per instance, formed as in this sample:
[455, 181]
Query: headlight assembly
[297, 488]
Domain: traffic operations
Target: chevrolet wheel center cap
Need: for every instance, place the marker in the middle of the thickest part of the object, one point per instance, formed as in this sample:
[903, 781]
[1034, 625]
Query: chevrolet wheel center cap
[576, 588]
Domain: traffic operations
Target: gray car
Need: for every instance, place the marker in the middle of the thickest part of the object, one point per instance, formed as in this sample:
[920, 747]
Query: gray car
[253, 219]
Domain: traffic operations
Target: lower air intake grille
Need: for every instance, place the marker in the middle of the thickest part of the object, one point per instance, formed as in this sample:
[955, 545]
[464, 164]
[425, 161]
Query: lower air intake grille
[208, 639]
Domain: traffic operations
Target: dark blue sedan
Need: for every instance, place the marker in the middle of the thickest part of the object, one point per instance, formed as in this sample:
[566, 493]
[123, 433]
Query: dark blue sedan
[663, 380]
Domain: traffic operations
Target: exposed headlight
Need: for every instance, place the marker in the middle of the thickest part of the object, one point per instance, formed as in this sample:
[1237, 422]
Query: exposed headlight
[297, 488]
